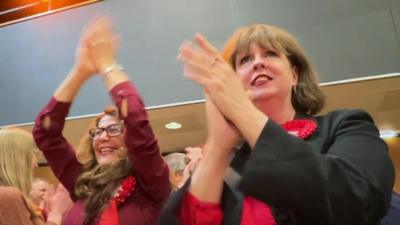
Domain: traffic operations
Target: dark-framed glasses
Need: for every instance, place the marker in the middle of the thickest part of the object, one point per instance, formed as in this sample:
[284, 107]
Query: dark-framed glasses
[112, 131]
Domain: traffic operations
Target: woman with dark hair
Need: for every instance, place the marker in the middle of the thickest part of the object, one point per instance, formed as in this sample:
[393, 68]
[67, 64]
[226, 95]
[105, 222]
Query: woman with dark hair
[124, 180]
[295, 167]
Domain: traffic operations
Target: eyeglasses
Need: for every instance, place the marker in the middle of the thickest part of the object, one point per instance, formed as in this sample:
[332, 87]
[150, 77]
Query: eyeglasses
[112, 131]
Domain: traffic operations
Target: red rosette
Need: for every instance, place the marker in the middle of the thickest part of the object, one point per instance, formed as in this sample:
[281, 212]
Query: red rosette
[302, 128]
[127, 187]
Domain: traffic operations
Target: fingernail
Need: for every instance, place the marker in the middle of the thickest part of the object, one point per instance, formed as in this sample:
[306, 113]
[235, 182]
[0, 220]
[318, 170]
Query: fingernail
[198, 35]
[185, 44]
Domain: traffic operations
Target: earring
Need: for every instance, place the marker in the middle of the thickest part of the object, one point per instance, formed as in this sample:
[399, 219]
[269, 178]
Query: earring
[294, 89]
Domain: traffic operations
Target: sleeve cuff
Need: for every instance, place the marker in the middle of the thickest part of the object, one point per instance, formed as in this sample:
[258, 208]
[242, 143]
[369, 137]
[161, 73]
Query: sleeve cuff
[123, 89]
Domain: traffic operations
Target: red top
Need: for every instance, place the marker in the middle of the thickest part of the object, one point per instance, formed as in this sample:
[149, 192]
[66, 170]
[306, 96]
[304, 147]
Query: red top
[196, 212]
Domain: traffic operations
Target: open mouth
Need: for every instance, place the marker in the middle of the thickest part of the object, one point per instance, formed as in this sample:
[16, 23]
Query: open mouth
[261, 79]
[104, 151]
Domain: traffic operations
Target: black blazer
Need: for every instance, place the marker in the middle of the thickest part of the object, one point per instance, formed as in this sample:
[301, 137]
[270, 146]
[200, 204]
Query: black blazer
[341, 175]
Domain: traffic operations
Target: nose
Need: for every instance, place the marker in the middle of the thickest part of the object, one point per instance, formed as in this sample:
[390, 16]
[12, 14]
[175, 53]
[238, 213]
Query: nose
[103, 135]
[258, 63]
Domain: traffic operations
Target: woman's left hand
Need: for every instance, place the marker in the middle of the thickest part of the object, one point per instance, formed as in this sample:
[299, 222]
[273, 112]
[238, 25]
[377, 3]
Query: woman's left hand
[205, 66]
[103, 43]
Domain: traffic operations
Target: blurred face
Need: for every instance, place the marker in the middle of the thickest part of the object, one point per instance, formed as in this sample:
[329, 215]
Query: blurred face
[108, 141]
[265, 73]
[177, 178]
[40, 191]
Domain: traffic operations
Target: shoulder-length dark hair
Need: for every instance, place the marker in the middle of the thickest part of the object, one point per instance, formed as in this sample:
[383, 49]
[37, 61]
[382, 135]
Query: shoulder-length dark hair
[307, 96]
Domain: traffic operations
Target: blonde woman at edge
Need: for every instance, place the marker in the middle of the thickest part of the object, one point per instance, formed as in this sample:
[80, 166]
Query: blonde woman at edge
[17, 161]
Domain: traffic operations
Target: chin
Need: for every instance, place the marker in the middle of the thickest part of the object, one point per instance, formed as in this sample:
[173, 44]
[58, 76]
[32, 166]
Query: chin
[106, 161]
[258, 96]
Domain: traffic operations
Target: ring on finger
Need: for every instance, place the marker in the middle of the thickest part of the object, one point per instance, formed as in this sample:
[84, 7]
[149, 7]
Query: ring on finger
[214, 61]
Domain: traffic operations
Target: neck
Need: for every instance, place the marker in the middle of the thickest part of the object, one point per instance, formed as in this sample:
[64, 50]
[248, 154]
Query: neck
[281, 112]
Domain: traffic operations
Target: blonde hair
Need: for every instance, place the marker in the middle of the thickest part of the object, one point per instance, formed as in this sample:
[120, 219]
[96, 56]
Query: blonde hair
[307, 97]
[16, 153]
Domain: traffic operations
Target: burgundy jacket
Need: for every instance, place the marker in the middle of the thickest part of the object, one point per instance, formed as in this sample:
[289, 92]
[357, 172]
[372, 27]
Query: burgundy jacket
[151, 172]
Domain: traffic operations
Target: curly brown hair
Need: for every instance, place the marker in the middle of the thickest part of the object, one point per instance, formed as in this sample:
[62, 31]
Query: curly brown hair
[97, 183]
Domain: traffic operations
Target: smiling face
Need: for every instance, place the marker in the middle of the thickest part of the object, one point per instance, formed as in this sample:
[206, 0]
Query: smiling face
[265, 73]
[280, 62]
[108, 148]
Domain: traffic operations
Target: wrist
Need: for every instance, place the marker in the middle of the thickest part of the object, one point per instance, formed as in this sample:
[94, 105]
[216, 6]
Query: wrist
[251, 124]
[110, 69]
[80, 73]
[54, 217]
[215, 149]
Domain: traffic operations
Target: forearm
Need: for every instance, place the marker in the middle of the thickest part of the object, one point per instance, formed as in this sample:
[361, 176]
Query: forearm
[250, 123]
[71, 85]
[142, 146]
[207, 180]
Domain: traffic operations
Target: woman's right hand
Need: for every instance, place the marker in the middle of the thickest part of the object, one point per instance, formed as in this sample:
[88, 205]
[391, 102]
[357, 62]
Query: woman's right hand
[222, 134]
[59, 203]
[83, 63]
[207, 180]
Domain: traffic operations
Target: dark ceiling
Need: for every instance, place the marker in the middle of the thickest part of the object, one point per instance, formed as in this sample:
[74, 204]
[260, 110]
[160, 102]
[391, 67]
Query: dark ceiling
[18, 10]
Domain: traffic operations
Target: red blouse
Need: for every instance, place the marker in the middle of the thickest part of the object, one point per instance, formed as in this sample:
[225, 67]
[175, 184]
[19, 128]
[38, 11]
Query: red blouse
[196, 212]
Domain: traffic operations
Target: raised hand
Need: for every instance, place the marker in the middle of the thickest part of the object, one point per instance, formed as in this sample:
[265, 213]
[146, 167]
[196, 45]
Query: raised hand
[204, 65]
[97, 48]
[103, 44]
[59, 203]
[222, 134]
[83, 63]
[192, 158]
[207, 180]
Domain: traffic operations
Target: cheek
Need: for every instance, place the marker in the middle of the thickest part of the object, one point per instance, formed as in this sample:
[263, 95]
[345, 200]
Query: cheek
[121, 140]
[243, 74]
[94, 146]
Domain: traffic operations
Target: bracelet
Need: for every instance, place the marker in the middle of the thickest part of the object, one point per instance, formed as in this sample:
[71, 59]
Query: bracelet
[113, 67]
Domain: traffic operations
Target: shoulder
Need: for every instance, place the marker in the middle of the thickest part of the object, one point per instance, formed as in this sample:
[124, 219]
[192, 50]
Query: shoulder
[13, 205]
[345, 118]
[345, 114]
[346, 123]
[9, 194]
[12, 201]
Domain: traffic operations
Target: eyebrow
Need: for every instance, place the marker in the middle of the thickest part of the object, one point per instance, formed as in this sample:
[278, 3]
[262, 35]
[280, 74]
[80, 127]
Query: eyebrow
[108, 125]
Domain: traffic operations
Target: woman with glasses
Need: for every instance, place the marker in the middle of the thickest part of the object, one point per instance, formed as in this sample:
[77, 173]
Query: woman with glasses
[124, 179]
